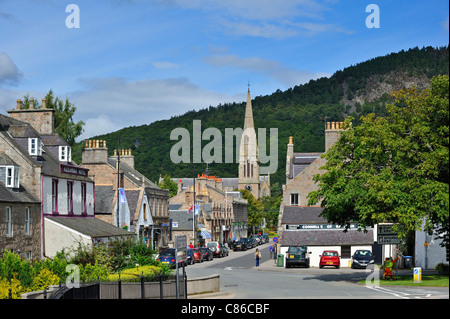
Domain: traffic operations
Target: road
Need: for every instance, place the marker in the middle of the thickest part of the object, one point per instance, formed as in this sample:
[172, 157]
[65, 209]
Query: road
[239, 278]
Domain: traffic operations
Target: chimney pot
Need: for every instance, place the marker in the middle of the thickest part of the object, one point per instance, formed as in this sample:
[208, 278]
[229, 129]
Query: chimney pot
[44, 106]
[31, 103]
[290, 140]
[19, 104]
[328, 126]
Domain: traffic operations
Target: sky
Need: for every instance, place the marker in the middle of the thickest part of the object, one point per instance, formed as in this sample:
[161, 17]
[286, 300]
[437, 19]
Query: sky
[132, 62]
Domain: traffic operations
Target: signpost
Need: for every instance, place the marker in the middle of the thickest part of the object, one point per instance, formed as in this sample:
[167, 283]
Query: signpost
[180, 256]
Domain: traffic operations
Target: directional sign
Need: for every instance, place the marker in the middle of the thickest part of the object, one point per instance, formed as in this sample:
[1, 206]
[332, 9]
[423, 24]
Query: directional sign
[386, 236]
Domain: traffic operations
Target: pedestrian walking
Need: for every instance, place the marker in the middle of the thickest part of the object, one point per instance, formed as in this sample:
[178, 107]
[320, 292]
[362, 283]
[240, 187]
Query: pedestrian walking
[257, 257]
[271, 251]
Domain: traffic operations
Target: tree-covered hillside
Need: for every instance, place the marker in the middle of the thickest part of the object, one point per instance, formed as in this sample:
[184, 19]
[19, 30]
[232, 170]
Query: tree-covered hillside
[299, 111]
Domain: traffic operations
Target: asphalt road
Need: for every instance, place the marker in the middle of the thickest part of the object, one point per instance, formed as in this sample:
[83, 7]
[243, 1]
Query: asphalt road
[239, 278]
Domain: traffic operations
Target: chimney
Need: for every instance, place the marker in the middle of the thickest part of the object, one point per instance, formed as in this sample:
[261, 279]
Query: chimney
[180, 186]
[289, 156]
[42, 120]
[94, 152]
[125, 157]
[44, 106]
[332, 133]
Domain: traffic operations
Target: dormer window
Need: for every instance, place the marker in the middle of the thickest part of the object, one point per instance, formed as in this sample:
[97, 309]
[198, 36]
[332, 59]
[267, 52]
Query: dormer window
[11, 176]
[65, 154]
[35, 146]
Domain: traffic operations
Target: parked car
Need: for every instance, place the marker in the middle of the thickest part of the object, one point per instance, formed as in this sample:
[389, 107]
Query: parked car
[265, 238]
[167, 257]
[330, 258]
[216, 248]
[225, 250]
[207, 253]
[297, 255]
[257, 239]
[198, 255]
[362, 259]
[241, 244]
[252, 241]
[190, 256]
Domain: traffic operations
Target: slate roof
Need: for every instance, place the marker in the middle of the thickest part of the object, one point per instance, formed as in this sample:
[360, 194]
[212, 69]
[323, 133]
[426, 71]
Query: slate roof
[91, 226]
[133, 174]
[310, 215]
[334, 237]
[16, 195]
[18, 132]
[300, 161]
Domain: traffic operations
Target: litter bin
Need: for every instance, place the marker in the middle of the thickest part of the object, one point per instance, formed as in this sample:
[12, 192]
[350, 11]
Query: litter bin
[407, 260]
[280, 260]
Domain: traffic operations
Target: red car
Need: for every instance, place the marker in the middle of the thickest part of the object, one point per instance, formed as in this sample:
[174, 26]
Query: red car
[330, 258]
[198, 255]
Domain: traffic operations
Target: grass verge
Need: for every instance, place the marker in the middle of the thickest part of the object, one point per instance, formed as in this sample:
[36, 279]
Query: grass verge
[408, 280]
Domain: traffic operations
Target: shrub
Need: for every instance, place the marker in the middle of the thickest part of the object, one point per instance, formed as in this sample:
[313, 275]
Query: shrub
[442, 269]
[44, 279]
[14, 284]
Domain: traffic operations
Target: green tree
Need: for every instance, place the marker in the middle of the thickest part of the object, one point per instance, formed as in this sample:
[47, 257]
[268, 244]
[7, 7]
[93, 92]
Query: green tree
[167, 183]
[393, 168]
[64, 112]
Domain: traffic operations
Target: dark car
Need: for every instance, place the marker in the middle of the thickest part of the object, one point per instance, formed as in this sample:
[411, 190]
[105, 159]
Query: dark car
[297, 256]
[207, 253]
[362, 259]
[167, 257]
[240, 245]
[198, 255]
[253, 241]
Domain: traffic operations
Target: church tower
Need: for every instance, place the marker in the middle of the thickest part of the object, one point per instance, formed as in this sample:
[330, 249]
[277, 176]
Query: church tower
[248, 154]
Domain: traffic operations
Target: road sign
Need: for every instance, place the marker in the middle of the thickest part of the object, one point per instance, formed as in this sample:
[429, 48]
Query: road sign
[386, 236]
[181, 248]
[417, 275]
[275, 239]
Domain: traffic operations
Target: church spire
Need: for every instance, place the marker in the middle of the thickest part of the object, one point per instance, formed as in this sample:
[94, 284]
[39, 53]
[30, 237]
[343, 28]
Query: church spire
[248, 120]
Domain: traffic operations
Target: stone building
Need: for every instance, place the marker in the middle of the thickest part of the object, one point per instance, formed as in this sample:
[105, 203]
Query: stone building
[222, 214]
[300, 224]
[143, 206]
[44, 169]
[20, 213]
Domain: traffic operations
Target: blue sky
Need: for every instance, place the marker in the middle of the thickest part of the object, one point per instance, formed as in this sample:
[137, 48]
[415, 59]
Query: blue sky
[132, 62]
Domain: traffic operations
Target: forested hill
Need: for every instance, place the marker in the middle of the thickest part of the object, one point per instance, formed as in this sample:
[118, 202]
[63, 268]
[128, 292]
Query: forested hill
[299, 111]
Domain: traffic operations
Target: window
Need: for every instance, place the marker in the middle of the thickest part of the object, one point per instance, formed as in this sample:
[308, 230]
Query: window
[55, 196]
[345, 252]
[65, 154]
[35, 146]
[70, 197]
[12, 176]
[27, 221]
[8, 222]
[83, 198]
[145, 212]
[294, 199]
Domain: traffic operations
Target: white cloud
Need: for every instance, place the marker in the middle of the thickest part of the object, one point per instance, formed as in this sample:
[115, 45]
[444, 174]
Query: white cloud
[9, 72]
[276, 70]
[110, 104]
